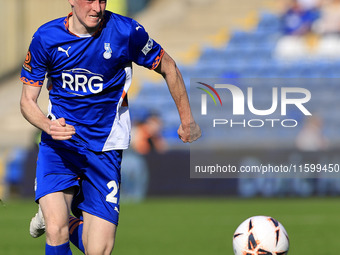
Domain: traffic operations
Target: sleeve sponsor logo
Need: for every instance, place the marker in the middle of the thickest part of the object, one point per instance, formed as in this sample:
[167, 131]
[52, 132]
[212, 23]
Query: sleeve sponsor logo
[27, 64]
[148, 47]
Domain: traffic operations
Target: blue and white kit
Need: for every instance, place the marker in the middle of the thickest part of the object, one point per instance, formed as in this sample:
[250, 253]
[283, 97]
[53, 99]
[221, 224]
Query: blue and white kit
[88, 79]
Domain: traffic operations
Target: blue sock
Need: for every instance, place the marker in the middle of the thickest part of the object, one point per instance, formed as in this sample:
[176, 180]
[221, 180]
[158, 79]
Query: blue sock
[63, 249]
[76, 232]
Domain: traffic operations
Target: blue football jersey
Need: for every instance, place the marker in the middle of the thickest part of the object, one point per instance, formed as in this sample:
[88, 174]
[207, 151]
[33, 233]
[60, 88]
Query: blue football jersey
[89, 76]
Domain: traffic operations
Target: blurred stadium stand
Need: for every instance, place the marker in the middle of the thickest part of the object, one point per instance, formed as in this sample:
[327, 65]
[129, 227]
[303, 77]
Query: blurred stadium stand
[251, 53]
[209, 39]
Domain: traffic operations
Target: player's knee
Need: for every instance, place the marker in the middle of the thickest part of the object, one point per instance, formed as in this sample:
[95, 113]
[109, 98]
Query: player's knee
[99, 250]
[57, 235]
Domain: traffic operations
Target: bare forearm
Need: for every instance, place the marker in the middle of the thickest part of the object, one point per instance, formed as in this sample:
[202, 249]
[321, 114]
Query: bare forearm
[169, 70]
[188, 131]
[179, 94]
[33, 114]
[58, 129]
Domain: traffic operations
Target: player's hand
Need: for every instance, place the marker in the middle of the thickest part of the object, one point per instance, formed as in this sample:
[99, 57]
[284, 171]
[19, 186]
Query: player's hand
[59, 130]
[189, 133]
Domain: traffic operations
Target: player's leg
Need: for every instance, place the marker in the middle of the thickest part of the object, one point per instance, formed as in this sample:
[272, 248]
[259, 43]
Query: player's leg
[75, 226]
[98, 201]
[56, 181]
[98, 235]
[56, 209]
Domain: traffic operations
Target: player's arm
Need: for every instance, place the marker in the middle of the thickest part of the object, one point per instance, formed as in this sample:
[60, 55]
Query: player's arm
[188, 131]
[30, 109]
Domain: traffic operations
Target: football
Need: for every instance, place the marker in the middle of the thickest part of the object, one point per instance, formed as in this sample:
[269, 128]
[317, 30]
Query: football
[260, 235]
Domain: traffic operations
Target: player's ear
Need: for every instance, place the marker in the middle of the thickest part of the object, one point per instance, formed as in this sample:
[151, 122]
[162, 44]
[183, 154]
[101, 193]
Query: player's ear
[71, 2]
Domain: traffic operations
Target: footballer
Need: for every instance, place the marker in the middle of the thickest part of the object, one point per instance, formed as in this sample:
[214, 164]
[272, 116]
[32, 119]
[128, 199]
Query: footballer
[87, 59]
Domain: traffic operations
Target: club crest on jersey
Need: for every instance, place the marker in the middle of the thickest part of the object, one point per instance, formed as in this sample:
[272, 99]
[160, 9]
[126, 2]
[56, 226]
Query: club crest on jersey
[107, 54]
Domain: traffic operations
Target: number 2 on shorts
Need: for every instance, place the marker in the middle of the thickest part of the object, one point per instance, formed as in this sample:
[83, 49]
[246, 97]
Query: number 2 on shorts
[111, 197]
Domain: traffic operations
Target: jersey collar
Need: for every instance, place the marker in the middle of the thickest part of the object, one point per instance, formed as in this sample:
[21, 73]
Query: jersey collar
[67, 24]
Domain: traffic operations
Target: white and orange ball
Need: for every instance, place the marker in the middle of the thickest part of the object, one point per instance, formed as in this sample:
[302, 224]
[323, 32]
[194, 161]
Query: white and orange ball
[261, 235]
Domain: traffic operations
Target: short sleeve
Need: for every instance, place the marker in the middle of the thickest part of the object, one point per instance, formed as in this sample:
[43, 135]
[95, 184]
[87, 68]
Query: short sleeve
[143, 50]
[35, 66]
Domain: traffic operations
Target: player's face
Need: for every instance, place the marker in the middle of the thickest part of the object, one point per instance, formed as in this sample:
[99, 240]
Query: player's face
[87, 15]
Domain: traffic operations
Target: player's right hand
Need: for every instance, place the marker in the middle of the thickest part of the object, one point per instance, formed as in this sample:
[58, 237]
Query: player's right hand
[59, 130]
[189, 133]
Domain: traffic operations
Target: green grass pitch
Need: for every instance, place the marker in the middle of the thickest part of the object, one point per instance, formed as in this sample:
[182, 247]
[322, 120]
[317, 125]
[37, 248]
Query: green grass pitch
[185, 226]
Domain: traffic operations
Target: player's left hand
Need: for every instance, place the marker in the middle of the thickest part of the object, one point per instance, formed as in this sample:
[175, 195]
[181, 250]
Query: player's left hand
[189, 133]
